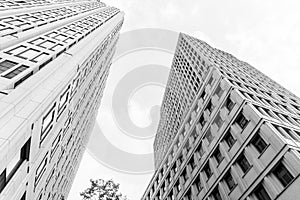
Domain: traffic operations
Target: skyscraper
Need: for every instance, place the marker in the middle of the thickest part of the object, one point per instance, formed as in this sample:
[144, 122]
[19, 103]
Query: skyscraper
[227, 131]
[55, 57]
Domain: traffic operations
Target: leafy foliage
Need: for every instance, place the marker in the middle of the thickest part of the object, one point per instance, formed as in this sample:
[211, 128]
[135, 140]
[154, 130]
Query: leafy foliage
[102, 190]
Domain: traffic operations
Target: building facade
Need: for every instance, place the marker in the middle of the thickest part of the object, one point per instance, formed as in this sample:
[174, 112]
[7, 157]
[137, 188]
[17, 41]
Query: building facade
[238, 135]
[55, 57]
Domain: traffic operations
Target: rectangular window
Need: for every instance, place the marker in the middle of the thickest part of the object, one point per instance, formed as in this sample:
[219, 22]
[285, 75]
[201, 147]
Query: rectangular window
[55, 144]
[229, 139]
[47, 44]
[218, 156]
[209, 106]
[218, 121]
[6, 64]
[16, 50]
[229, 181]
[15, 72]
[229, 104]
[40, 57]
[200, 150]
[57, 47]
[60, 37]
[41, 170]
[63, 99]
[216, 194]
[241, 120]
[47, 123]
[261, 193]
[201, 120]
[18, 159]
[219, 91]
[197, 183]
[37, 41]
[283, 175]
[207, 170]
[209, 136]
[259, 143]
[28, 54]
[243, 163]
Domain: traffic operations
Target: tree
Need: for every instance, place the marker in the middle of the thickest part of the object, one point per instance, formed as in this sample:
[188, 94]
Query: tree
[102, 190]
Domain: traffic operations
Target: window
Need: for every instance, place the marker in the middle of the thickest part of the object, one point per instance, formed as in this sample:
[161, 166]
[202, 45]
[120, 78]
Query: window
[55, 144]
[229, 104]
[261, 193]
[218, 120]
[203, 94]
[40, 57]
[259, 143]
[16, 50]
[63, 99]
[6, 64]
[197, 183]
[209, 136]
[188, 195]
[216, 194]
[47, 44]
[219, 91]
[209, 106]
[40, 170]
[47, 123]
[241, 120]
[207, 170]
[283, 175]
[218, 156]
[243, 163]
[229, 181]
[229, 139]
[28, 54]
[200, 150]
[201, 120]
[15, 72]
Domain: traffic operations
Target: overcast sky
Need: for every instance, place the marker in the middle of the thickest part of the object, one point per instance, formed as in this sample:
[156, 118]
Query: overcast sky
[263, 33]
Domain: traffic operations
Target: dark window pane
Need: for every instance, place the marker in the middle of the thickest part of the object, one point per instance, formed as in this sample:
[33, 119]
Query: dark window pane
[241, 120]
[243, 163]
[218, 155]
[259, 143]
[229, 104]
[209, 136]
[16, 72]
[229, 181]
[6, 64]
[229, 139]
[216, 194]
[197, 183]
[25, 151]
[207, 170]
[283, 175]
[261, 193]
[209, 106]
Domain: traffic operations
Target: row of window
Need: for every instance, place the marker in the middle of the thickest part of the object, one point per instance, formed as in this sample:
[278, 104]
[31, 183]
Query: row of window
[177, 144]
[41, 49]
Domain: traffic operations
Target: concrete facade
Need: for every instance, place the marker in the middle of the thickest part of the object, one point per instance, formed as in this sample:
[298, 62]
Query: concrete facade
[55, 57]
[238, 135]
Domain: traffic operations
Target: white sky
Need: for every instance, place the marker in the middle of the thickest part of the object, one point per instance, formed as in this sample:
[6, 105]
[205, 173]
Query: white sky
[263, 33]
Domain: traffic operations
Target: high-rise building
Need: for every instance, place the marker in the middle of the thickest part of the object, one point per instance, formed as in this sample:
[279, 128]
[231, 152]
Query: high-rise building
[55, 57]
[227, 131]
